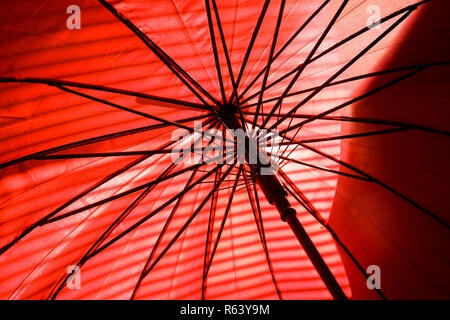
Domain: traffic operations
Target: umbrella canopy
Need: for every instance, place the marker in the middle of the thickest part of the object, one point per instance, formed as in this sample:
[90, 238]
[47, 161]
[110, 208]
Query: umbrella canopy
[93, 109]
[403, 221]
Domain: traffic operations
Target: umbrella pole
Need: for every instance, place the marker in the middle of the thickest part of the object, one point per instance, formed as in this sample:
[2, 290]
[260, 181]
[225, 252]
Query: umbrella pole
[276, 194]
[315, 257]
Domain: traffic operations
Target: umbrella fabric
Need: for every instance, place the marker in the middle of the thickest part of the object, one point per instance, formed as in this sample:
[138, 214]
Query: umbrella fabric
[83, 110]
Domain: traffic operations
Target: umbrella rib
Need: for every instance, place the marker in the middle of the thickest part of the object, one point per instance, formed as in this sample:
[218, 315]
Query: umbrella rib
[340, 137]
[337, 45]
[150, 215]
[340, 71]
[125, 193]
[251, 43]
[77, 197]
[269, 62]
[309, 207]
[224, 45]
[222, 225]
[227, 58]
[214, 46]
[356, 99]
[411, 8]
[306, 62]
[299, 30]
[191, 218]
[404, 125]
[359, 77]
[44, 220]
[212, 214]
[303, 66]
[92, 252]
[168, 122]
[114, 105]
[164, 229]
[113, 154]
[131, 207]
[121, 194]
[262, 236]
[292, 141]
[94, 140]
[165, 58]
[239, 184]
[323, 168]
[227, 180]
[161, 234]
[63, 280]
[162, 207]
[82, 85]
[379, 182]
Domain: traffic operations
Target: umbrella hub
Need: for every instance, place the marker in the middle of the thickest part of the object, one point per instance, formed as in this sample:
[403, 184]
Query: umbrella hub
[227, 115]
[263, 172]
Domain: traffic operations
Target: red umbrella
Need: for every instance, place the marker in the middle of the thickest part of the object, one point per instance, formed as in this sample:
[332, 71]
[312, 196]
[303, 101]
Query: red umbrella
[99, 98]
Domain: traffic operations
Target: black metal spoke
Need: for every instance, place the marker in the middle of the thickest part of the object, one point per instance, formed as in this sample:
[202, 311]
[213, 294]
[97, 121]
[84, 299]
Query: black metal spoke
[341, 70]
[214, 46]
[212, 215]
[379, 182]
[243, 185]
[122, 194]
[288, 42]
[228, 61]
[306, 164]
[250, 45]
[161, 235]
[46, 218]
[95, 140]
[50, 218]
[113, 154]
[411, 7]
[306, 62]
[164, 229]
[335, 83]
[340, 137]
[224, 45]
[354, 100]
[106, 233]
[334, 47]
[188, 222]
[72, 200]
[224, 219]
[154, 212]
[114, 105]
[269, 63]
[187, 80]
[260, 225]
[303, 66]
[140, 95]
[399, 124]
